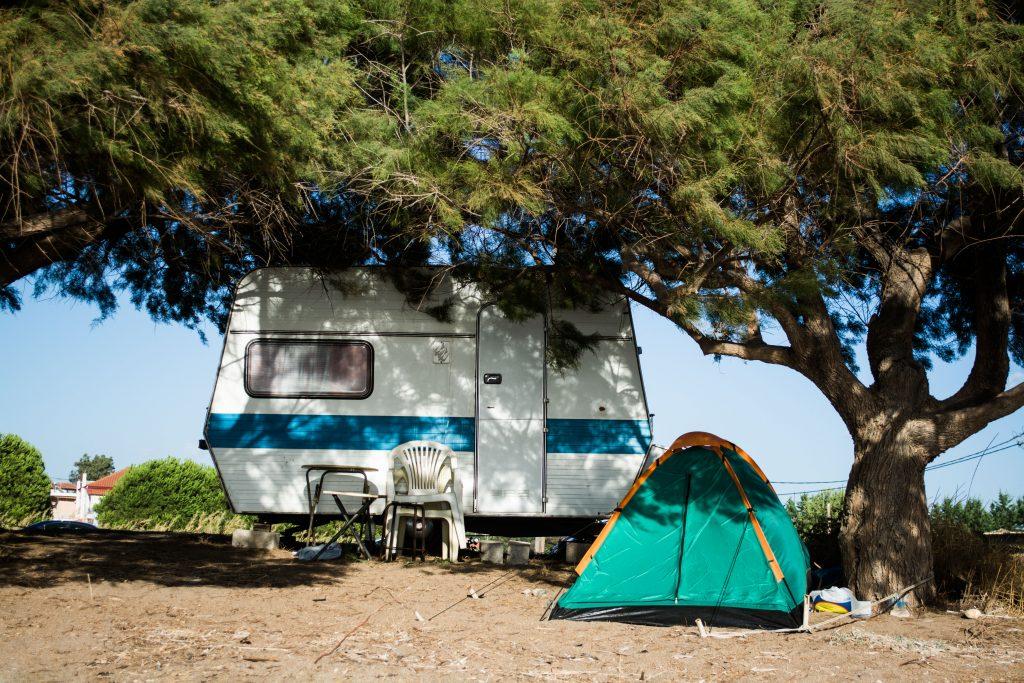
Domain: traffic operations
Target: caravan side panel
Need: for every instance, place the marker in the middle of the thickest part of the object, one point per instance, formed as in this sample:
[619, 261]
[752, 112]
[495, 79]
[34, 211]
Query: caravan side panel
[423, 387]
[598, 426]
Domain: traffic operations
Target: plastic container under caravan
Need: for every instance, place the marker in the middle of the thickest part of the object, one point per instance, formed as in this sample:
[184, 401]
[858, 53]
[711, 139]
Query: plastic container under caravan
[341, 369]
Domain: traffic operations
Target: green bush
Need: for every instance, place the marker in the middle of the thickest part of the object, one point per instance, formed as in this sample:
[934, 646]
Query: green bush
[1002, 513]
[817, 518]
[24, 486]
[165, 494]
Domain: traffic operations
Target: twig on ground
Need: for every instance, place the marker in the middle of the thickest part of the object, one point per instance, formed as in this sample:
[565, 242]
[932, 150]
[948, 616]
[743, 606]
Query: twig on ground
[345, 637]
[259, 658]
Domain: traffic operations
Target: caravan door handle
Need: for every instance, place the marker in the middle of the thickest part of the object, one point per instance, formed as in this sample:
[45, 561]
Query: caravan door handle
[492, 378]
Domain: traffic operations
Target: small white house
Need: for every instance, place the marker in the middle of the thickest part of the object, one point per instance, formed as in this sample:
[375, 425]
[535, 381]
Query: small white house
[340, 370]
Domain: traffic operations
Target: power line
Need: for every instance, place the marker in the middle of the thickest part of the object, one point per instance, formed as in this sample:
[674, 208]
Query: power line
[795, 493]
[1015, 441]
[973, 457]
[956, 461]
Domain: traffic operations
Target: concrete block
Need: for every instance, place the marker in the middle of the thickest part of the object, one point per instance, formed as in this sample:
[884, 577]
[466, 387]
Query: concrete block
[264, 540]
[539, 545]
[492, 551]
[518, 553]
[574, 551]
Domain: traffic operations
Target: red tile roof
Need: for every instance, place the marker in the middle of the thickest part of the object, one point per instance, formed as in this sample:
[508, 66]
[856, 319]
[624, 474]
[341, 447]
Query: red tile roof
[65, 485]
[102, 486]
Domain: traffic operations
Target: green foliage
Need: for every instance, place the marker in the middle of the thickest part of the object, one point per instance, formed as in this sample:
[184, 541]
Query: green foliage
[24, 486]
[815, 511]
[817, 518]
[658, 149]
[168, 493]
[1002, 513]
[92, 466]
[957, 525]
[716, 161]
[194, 136]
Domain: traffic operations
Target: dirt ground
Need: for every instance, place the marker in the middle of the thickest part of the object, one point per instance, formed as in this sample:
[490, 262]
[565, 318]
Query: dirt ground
[148, 606]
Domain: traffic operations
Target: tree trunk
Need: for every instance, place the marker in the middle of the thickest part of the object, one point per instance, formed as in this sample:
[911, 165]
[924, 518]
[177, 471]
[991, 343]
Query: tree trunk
[886, 534]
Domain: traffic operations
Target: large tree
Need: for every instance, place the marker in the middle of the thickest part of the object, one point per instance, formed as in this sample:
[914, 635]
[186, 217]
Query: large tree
[92, 466]
[783, 181]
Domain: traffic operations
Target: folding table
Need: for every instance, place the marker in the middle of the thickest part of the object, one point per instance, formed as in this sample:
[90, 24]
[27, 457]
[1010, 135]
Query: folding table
[362, 514]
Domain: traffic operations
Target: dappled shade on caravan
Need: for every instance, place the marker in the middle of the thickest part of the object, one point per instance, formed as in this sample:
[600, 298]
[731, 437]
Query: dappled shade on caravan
[701, 534]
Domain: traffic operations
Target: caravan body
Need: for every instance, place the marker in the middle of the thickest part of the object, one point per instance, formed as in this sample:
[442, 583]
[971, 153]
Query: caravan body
[342, 369]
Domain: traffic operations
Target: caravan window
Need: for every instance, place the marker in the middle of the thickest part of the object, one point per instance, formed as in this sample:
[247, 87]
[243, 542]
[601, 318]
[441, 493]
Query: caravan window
[308, 369]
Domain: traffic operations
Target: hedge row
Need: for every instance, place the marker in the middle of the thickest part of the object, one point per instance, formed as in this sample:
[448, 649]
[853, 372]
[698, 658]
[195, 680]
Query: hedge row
[168, 493]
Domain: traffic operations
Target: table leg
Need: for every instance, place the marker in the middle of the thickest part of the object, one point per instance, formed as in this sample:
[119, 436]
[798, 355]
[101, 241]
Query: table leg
[312, 510]
[349, 520]
[363, 514]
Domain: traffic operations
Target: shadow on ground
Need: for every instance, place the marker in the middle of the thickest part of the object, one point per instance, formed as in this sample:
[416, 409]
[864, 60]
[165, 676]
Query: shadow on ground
[554, 574]
[166, 559]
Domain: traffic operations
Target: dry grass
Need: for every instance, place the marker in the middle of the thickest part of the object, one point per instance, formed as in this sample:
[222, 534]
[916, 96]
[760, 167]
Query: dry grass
[858, 636]
[12, 523]
[972, 571]
[204, 523]
[224, 523]
[998, 587]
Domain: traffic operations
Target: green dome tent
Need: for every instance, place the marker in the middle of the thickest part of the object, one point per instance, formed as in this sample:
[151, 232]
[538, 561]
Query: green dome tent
[701, 534]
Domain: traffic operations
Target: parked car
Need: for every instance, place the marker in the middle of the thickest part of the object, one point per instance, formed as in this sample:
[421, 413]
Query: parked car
[62, 526]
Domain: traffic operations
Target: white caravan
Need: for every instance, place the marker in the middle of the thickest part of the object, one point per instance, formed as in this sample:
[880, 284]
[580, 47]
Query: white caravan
[341, 369]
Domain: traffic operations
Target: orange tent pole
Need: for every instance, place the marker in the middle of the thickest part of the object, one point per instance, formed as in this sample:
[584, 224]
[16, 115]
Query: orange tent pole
[766, 547]
[712, 441]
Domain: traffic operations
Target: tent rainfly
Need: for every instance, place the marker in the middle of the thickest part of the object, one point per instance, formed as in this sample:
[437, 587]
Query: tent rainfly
[700, 535]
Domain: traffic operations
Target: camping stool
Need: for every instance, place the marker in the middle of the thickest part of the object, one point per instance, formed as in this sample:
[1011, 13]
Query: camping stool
[419, 521]
[360, 515]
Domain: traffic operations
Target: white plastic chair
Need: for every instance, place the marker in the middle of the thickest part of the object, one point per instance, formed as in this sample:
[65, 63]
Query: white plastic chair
[424, 473]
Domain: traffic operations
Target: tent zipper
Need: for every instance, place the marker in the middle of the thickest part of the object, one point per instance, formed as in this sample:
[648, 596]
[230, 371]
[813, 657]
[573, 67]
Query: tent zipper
[682, 540]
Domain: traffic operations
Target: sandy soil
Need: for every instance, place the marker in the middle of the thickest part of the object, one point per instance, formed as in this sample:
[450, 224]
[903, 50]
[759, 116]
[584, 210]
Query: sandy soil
[162, 606]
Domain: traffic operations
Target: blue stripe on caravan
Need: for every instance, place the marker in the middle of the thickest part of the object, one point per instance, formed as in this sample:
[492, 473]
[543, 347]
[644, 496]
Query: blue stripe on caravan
[384, 432]
[629, 437]
[336, 432]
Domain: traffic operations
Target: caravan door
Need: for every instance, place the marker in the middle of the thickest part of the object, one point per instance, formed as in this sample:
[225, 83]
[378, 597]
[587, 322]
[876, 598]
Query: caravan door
[510, 414]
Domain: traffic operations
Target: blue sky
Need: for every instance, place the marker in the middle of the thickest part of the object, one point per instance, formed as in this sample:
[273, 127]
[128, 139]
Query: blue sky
[136, 390]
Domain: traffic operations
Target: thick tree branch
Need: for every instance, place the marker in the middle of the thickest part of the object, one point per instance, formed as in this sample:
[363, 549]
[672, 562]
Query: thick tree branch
[957, 425]
[952, 239]
[991, 311]
[754, 349]
[43, 223]
[905, 276]
[822, 362]
[29, 256]
[771, 303]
